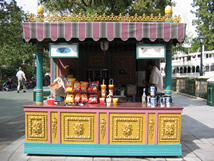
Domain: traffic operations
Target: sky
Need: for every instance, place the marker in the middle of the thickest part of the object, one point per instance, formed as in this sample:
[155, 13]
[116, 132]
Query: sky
[182, 8]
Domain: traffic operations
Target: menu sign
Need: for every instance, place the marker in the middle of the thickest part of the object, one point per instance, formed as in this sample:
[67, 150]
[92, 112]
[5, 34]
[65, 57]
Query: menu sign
[63, 50]
[150, 51]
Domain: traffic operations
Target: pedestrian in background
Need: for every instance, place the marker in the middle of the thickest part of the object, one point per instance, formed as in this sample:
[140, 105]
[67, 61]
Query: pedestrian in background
[21, 80]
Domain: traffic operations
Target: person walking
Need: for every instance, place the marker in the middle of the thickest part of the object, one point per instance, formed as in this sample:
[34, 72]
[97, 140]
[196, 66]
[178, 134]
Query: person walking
[21, 80]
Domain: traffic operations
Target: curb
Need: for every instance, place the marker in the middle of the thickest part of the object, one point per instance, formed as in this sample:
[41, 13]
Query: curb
[187, 95]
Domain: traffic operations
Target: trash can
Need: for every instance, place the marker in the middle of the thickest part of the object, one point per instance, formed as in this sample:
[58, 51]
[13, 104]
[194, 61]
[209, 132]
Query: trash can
[210, 92]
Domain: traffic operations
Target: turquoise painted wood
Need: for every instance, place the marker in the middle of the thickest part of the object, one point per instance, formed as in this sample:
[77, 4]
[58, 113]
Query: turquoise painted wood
[168, 72]
[39, 80]
[103, 149]
[54, 69]
[46, 93]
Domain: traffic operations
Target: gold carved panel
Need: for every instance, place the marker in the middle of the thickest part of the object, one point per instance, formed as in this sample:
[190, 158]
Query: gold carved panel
[151, 129]
[78, 127]
[169, 128]
[36, 126]
[127, 128]
[54, 127]
[103, 127]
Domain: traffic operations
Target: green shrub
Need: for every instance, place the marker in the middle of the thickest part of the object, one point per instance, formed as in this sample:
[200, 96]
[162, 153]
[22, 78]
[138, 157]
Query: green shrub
[2, 81]
[190, 92]
[203, 95]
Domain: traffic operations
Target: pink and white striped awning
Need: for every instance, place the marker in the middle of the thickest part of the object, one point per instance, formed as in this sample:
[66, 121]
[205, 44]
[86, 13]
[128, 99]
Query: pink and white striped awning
[108, 30]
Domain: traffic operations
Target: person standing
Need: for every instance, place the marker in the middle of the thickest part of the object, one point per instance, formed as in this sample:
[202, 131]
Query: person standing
[155, 79]
[21, 80]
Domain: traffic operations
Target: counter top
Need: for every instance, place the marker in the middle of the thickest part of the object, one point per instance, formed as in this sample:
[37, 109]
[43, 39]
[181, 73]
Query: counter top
[120, 106]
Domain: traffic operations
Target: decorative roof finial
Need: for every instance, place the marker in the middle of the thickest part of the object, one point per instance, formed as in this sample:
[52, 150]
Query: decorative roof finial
[168, 13]
[40, 11]
[168, 10]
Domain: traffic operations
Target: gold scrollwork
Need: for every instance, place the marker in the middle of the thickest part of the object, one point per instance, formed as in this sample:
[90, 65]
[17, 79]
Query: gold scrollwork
[103, 128]
[104, 17]
[127, 129]
[151, 127]
[78, 128]
[169, 129]
[37, 127]
[54, 127]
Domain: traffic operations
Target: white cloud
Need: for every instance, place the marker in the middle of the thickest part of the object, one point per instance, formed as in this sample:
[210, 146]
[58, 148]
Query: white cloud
[29, 6]
[183, 8]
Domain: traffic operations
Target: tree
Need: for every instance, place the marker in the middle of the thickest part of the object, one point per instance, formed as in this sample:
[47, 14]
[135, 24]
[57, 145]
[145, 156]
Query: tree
[14, 51]
[189, 45]
[205, 22]
[195, 45]
[107, 6]
[149, 7]
[87, 6]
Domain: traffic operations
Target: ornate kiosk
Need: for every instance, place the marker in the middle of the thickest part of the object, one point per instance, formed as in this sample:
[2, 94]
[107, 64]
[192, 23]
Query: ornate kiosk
[130, 129]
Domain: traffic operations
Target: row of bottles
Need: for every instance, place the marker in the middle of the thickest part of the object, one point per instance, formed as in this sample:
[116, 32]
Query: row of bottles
[110, 89]
[153, 100]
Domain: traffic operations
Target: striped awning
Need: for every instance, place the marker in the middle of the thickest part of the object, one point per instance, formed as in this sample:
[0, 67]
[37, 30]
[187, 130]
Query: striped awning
[108, 30]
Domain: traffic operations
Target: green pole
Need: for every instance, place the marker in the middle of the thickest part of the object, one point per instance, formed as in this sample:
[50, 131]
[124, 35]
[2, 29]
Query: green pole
[39, 80]
[168, 84]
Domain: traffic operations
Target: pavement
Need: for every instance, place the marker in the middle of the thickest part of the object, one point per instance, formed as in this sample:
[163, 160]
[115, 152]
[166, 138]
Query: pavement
[12, 121]
[197, 138]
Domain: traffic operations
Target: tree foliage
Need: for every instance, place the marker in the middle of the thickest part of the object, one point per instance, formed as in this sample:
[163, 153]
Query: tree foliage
[14, 51]
[205, 20]
[190, 45]
[149, 6]
[107, 6]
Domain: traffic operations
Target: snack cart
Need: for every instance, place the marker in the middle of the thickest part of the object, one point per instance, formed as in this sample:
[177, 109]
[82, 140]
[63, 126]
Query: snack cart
[99, 48]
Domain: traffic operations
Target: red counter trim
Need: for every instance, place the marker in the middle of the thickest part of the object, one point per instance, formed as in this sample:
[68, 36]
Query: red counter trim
[49, 127]
[156, 127]
[100, 110]
[146, 134]
[98, 128]
[107, 129]
[59, 127]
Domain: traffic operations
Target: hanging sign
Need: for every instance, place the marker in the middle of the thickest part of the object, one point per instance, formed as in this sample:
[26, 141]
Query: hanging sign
[64, 50]
[150, 51]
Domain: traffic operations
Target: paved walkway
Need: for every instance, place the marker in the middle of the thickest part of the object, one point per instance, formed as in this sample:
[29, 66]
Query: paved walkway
[197, 137]
[12, 120]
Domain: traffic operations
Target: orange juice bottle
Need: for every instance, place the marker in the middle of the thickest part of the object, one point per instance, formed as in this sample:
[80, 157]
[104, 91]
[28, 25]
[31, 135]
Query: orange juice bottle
[111, 88]
[103, 90]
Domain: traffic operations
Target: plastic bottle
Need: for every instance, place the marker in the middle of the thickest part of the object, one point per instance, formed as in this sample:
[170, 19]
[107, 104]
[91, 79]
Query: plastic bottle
[103, 89]
[144, 95]
[134, 98]
[111, 88]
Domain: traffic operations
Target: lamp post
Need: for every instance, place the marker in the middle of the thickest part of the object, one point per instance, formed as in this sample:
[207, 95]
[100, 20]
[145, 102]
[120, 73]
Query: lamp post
[201, 40]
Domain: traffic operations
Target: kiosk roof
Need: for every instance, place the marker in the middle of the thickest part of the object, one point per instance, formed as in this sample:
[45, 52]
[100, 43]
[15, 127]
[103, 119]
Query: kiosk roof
[106, 30]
